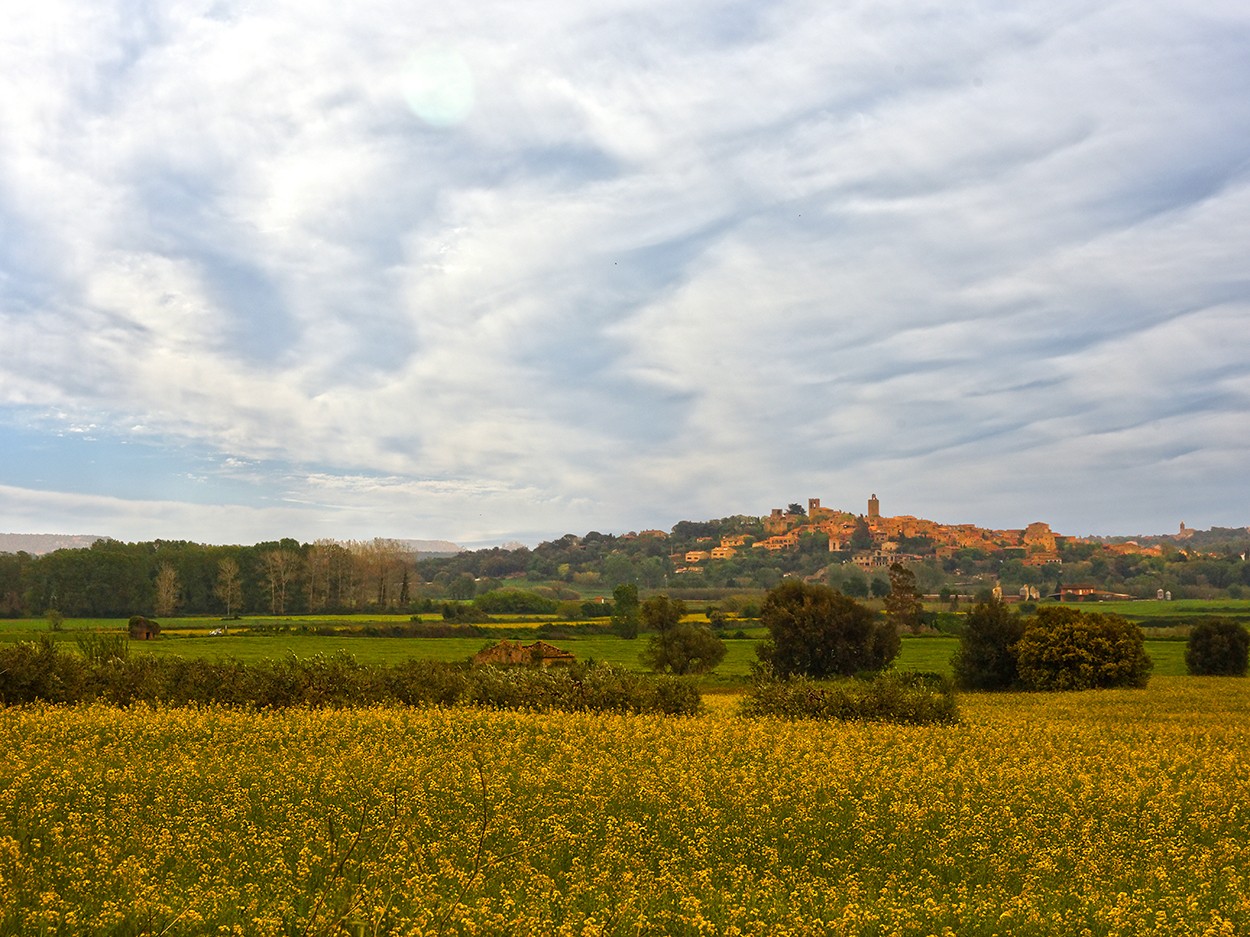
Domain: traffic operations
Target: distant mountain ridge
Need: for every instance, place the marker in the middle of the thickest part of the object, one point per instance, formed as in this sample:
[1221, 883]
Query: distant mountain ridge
[39, 544]
[428, 547]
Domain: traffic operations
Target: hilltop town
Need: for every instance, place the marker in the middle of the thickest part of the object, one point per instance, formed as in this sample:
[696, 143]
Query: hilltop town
[853, 550]
[873, 539]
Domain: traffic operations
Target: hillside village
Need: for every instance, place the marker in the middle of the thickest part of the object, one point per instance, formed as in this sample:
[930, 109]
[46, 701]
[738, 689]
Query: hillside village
[873, 540]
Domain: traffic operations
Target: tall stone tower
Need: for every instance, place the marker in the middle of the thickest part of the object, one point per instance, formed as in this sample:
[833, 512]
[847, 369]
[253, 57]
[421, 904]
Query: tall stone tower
[874, 507]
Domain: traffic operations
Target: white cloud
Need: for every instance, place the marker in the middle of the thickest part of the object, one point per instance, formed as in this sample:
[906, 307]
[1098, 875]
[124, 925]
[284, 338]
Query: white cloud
[672, 260]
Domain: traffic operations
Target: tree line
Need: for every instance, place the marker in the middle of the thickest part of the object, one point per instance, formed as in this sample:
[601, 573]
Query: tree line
[112, 579]
[285, 577]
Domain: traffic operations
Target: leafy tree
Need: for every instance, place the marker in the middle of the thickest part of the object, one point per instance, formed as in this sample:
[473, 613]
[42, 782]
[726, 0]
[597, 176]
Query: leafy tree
[690, 531]
[1065, 649]
[689, 647]
[618, 568]
[818, 632]
[13, 567]
[855, 585]
[462, 588]
[625, 610]
[903, 602]
[676, 646]
[229, 589]
[766, 577]
[986, 658]
[880, 587]
[652, 572]
[861, 536]
[1218, 647]
[107, 580]
[166, 590]
[816, 542]
[280, 567]
[660, 613]
[796, 509]
[514, 602]
[918, 545]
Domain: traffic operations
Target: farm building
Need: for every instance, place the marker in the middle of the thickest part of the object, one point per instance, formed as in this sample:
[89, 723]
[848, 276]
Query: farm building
[513, 653]
[144, 629]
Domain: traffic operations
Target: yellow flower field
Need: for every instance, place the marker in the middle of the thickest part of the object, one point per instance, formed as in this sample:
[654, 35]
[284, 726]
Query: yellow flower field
[1110, 812]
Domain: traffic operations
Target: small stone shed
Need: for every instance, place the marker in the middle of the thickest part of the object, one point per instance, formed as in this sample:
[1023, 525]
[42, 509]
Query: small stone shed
[143, 629]
[515, 654]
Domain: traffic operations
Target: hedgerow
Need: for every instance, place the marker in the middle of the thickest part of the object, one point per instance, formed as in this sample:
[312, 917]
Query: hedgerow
[890, 696]
[40, 672]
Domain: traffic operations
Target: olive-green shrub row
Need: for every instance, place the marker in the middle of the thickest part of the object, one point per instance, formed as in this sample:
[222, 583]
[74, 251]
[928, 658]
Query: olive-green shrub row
[40, 672]
[889, 696]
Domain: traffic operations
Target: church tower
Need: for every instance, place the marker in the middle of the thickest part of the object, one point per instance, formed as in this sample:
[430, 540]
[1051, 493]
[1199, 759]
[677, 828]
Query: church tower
[874, 507]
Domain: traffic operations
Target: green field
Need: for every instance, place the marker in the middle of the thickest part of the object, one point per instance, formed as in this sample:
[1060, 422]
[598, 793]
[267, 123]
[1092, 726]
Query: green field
[189, 637]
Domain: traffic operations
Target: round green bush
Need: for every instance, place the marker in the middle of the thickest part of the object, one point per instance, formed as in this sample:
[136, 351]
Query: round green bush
[815, 631]
[1218, 647]
[986, 659]
[1065, 649]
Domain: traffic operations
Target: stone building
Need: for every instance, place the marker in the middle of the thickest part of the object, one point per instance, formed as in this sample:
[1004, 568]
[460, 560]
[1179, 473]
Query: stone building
[515, 654]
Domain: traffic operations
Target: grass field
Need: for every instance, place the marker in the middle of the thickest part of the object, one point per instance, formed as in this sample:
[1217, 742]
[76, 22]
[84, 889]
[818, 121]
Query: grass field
[1146, 609]
[1106, 813]
[191, 639]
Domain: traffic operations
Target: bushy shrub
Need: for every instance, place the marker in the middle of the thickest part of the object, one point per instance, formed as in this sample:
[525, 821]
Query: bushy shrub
[515, 602]
[676, 646]
[97, 648]
[1218, 647]
[460, 612]
[425, 683]
[139, 679]
[424, 629]
[816, 631]
[33, 671]
[1064, 649]
[40, 672]
[581, 688]
[890, 696]
[986, 658]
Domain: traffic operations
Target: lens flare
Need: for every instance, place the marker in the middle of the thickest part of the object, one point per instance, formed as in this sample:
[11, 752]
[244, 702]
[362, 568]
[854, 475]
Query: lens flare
[438, 85]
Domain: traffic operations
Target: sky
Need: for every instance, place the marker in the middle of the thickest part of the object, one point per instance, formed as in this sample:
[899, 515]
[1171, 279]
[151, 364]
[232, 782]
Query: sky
[500, 271]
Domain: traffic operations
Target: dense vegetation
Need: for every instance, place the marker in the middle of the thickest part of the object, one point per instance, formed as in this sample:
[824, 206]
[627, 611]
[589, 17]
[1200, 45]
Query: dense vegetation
[891, 696]
[114, 579]
[1058, 648]
[815, 631]
[1218, 647]
[986, 659]
[678, 646]
[1066, 649]
[106, 672]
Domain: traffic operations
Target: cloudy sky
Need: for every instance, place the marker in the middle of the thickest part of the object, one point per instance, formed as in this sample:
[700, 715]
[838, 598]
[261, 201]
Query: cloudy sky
[499, 270]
